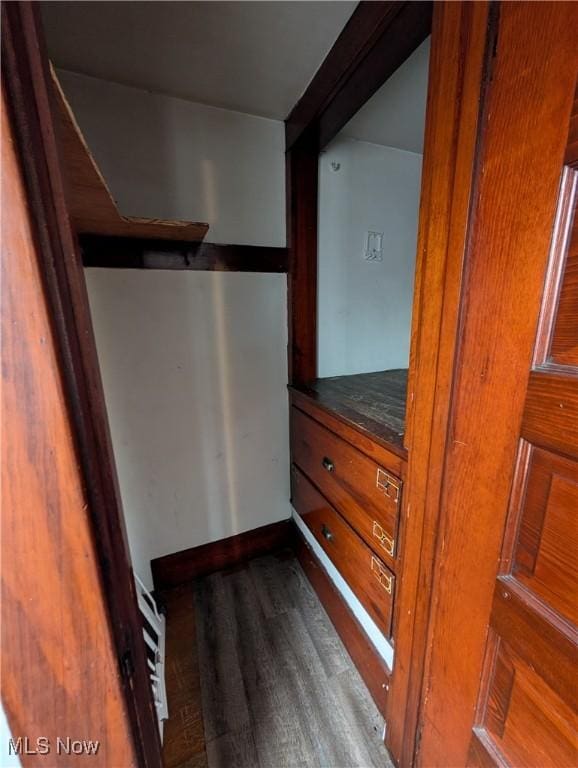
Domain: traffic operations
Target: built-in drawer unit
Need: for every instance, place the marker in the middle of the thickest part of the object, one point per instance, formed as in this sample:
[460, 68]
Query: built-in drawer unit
[367, 495]
[369, 578]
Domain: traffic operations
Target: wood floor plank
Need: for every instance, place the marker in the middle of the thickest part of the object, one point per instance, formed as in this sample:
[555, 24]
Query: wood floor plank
[223, 692]
[234, 750]
[274, 701]
[321, 719]
[330, 650]
[184, 739]
[362, 721]
[341, 718]
[271, 580]
[276, 735]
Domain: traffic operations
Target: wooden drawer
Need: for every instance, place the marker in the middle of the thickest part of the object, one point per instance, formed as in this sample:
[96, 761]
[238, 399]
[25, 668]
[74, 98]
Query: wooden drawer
[370, 580]
[362, 491]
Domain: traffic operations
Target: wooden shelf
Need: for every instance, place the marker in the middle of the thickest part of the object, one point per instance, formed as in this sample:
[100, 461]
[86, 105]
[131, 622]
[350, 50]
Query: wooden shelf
[91, 206]
[370, 402]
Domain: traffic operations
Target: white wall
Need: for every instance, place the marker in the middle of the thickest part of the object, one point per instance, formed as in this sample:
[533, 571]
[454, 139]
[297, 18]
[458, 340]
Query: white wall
[168, 158]
[195, 374]
[194, 364]
[364, 310]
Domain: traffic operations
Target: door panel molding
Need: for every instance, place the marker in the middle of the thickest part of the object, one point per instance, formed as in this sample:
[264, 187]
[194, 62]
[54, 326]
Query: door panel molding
[523, 140]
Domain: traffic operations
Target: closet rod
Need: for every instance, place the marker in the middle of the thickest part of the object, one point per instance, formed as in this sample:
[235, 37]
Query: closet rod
[139, 253]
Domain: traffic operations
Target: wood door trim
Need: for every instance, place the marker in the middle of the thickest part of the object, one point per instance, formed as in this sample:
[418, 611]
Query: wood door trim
[521, 151]
[26, 80]
[301, 163]
[356, 66]
[54, 612]
[352, 71]
[447, 188]
[462, 38]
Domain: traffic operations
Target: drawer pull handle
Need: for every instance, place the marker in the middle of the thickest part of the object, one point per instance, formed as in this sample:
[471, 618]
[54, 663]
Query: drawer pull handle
[388, 484]
[384, 539]
[381, 575]
[326, 532]
[328, 464]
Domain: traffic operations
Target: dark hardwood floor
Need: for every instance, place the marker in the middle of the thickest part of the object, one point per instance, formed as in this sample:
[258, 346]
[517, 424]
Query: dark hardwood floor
[278, 687]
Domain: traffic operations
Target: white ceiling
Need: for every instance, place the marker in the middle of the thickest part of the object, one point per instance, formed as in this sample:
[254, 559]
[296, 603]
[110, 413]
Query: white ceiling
[254, 57]
[395, 114]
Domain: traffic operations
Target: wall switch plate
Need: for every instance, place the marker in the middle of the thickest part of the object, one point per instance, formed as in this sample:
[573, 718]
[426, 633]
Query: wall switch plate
[374, 246]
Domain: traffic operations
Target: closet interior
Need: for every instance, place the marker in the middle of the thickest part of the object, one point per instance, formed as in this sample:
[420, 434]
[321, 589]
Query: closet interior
[368, 207]
[340, 465]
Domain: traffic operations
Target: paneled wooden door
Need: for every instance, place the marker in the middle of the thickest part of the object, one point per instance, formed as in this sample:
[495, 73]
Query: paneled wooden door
[528, 701]
[499, 682]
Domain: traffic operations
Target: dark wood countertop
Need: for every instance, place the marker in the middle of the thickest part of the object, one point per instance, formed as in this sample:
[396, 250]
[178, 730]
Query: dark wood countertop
[371, 402]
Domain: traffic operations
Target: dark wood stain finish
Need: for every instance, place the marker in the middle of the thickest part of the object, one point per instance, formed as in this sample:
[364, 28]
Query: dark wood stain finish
[571, 156]
[358, 565]
[301, 165]
[347, 478]
[462, 43]
[184, 735]
[136, 253]
[528, 105]
[376, 40]
[188, 564]
[371, 402]
[378, 449]
[95, 514]
[407, 25]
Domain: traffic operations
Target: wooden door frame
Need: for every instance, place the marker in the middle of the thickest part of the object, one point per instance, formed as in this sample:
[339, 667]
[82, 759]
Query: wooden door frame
[376, 40]
[462, 39]
[26, 85]
[501, 265]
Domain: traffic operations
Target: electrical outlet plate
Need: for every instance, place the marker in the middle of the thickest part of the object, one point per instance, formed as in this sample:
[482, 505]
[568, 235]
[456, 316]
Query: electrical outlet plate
[374, 246]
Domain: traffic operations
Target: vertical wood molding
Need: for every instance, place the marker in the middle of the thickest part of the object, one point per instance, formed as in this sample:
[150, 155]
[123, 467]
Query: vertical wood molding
[523, 138]
[59, 667]
[458, 53]
[26, 87]
[302, 186]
